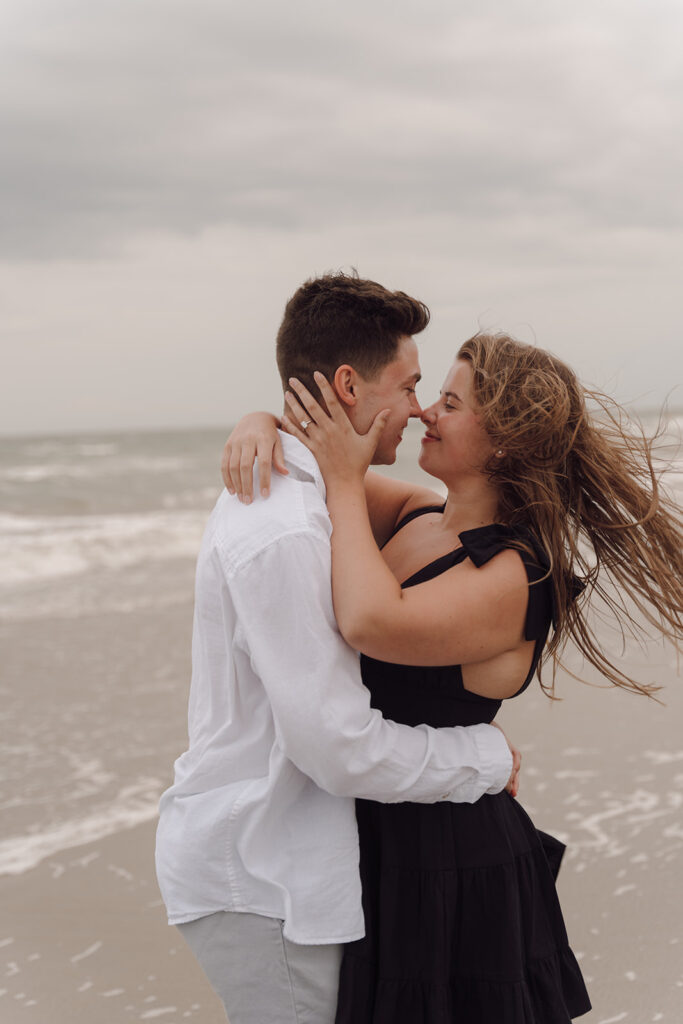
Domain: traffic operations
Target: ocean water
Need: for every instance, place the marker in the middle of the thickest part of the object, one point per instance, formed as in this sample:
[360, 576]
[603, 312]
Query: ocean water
[98, 537]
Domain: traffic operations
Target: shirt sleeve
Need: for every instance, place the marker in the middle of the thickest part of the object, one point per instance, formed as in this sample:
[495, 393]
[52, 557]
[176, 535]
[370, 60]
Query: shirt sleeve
[321, 709]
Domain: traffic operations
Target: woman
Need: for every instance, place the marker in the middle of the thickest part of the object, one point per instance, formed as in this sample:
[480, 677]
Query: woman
[462, 919]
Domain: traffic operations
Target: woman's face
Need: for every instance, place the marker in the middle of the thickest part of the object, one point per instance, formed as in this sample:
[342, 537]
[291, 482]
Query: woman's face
[455, 444]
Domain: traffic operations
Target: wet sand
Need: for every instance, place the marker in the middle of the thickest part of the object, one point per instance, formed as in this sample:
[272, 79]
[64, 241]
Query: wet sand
[84, 936]
[603, 770]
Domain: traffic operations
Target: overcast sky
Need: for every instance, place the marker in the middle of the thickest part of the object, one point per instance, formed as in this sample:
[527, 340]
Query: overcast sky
[171, 170]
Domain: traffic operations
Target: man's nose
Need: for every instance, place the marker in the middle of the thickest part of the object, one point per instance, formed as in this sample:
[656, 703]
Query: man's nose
[415, 407]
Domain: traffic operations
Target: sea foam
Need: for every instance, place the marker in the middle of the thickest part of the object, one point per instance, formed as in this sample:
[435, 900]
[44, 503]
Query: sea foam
[132, 806]
[49, 547]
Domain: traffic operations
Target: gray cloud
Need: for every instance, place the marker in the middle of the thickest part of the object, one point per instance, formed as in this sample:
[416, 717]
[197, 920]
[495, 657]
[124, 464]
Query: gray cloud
[126, 118]
[170, 170]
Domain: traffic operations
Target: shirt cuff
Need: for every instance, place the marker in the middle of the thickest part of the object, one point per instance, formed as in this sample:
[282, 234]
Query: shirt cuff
[496, 758]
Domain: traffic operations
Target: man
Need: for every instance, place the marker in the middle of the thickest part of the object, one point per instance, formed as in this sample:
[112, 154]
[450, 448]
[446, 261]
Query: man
[257, 848]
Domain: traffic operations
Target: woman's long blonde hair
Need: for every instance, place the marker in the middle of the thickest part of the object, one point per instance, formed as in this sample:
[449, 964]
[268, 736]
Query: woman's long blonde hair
[586, 485]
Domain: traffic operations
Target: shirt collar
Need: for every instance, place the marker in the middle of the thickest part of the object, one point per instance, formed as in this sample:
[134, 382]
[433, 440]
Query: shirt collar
[301, 463]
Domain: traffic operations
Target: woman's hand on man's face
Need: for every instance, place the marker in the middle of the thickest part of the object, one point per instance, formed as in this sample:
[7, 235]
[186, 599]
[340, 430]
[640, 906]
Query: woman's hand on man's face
[341, 452]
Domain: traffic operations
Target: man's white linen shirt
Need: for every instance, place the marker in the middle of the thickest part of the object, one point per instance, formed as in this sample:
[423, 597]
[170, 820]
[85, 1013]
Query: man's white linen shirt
[260, 817]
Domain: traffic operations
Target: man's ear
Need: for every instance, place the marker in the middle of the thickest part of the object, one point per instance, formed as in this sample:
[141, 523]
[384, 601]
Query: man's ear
[345, 383]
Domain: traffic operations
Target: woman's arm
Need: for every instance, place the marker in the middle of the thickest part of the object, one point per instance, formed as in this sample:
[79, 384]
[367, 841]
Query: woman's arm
[465, 615]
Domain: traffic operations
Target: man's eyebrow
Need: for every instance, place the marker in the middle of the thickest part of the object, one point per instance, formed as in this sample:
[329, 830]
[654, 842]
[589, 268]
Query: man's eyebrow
[415, 377]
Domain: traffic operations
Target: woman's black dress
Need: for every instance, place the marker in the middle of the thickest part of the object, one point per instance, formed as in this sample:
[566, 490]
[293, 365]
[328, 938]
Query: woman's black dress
[462, 918]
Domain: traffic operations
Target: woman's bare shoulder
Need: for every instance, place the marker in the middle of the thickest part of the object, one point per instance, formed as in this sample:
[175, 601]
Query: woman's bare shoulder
[390, 500]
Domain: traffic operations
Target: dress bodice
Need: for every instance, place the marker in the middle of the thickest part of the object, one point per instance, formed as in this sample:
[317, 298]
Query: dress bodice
[435, 695]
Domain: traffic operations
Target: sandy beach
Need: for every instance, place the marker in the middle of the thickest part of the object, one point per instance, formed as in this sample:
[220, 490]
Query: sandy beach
[84, 935]
[85, 938]
[95, 672]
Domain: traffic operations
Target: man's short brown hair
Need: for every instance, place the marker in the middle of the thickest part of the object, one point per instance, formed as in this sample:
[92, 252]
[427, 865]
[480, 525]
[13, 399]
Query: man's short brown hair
[342, 318]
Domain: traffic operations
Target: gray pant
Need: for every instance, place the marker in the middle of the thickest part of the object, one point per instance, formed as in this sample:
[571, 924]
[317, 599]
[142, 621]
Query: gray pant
[261, 977]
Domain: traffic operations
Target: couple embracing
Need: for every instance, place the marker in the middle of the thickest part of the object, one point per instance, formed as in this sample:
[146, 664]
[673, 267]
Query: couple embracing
[341, 841]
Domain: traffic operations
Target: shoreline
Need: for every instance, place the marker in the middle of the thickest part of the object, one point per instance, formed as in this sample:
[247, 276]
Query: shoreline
[22, 853]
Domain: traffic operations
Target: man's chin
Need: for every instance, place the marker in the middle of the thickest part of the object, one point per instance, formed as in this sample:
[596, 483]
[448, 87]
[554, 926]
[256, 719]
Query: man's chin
[384, 456]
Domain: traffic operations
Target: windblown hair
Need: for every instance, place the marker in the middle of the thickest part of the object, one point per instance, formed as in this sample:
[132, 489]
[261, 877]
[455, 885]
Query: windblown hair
[342, 318]
[585, 483]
